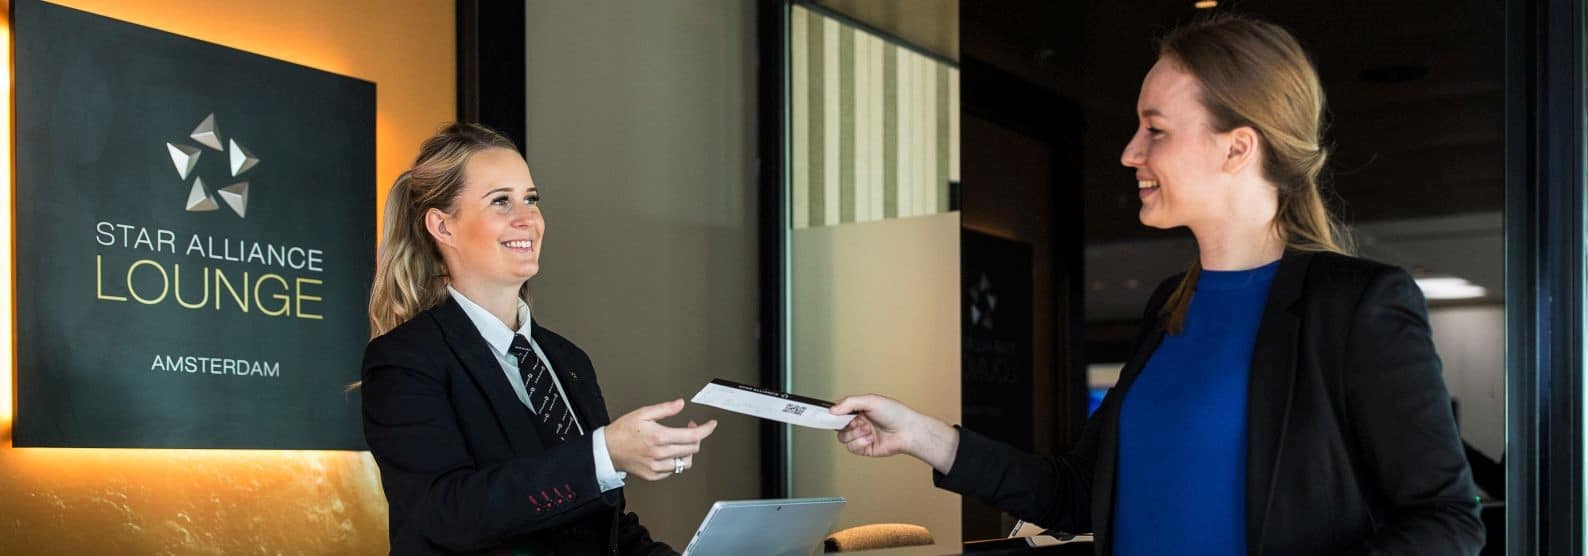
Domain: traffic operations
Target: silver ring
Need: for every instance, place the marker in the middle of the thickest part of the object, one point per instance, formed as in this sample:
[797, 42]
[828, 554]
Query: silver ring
[678, 465]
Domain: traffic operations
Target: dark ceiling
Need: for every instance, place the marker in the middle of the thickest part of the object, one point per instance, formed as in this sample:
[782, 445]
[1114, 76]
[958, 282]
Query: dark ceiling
[1414, 90]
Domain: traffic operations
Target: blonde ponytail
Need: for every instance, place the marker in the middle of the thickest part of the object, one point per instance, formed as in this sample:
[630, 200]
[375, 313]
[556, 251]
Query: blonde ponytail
[410, 276]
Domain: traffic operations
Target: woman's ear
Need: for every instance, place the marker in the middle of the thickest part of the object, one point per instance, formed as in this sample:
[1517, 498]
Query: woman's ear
[436, 223]
[1243, 148]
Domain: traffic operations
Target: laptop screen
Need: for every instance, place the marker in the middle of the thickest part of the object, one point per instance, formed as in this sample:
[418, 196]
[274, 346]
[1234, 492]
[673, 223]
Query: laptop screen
[788, 526]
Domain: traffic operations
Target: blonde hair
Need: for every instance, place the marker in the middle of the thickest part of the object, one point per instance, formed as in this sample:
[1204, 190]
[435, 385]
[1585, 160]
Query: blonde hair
[410, 275]
[1255, 74]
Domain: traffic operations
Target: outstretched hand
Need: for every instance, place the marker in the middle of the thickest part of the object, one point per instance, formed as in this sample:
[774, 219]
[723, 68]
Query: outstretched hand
[884, 427]
[641, 446]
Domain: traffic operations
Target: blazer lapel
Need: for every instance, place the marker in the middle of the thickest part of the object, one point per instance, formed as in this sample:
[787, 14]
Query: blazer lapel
[475, 355]
[1269, 390]
[576, 380]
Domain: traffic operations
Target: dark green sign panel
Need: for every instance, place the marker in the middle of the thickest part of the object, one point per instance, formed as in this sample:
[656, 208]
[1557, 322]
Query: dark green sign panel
[194, 240]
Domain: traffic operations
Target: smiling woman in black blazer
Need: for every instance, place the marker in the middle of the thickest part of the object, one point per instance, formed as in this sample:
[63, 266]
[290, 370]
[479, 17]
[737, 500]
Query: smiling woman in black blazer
[1283, 397]
[490, 430]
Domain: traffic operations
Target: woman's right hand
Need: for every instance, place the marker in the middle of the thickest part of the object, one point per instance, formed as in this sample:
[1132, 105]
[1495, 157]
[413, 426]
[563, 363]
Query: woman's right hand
[641, 446]
[883, 427]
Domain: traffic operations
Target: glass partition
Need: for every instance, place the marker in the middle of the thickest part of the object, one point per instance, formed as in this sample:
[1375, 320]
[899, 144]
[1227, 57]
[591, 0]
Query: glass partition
[873, 261]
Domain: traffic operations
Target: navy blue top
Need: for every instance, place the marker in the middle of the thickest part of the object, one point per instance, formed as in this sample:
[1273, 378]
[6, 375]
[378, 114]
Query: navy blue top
[1181, 485]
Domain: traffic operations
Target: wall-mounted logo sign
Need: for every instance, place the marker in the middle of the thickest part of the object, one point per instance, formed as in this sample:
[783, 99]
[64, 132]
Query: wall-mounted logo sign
[240, 160]
[995, 277]
[195, 237]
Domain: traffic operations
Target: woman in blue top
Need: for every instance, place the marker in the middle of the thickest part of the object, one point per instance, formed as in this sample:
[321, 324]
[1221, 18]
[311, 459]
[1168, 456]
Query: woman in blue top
[1283, 397]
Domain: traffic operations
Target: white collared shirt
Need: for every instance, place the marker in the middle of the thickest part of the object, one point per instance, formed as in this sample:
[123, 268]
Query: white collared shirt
[500, 338]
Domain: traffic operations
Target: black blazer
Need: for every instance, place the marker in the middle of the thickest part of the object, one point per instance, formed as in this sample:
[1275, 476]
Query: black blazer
[1351, 443]
[462, 466]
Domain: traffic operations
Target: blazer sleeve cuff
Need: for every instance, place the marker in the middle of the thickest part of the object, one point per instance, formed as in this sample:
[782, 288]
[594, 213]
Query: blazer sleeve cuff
[971, 467]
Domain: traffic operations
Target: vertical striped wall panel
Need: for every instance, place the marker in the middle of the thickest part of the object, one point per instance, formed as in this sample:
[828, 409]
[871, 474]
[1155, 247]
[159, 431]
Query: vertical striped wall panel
[874, 128]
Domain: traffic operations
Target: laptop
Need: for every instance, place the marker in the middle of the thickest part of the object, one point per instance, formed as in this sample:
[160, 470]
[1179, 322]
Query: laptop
[782, 527]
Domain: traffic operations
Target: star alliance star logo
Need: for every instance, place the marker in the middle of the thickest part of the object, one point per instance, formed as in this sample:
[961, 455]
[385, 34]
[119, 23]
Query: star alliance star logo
[982, 303]
[186, 157]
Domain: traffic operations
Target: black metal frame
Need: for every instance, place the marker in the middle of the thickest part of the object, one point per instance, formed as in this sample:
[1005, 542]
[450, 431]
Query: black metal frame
[772, 36]
[491, 82]
[1544, 276]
